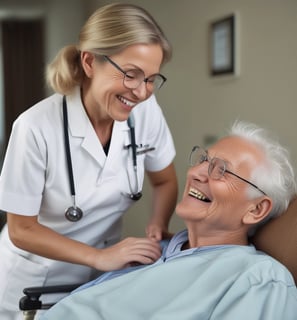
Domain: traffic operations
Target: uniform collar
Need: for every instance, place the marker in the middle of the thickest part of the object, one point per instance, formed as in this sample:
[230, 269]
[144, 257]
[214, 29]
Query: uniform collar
[79, 122]
[80, 127]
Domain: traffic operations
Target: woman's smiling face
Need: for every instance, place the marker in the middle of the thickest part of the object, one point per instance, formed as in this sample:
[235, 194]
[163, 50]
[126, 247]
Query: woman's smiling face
[106, 90]
[220, 204]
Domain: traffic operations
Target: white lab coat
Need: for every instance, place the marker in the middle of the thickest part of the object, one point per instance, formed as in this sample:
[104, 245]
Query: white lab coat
[34, 180]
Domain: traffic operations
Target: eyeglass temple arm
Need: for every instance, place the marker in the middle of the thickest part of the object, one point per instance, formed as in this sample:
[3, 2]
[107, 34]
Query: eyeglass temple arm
[114, 64]
[250, 183]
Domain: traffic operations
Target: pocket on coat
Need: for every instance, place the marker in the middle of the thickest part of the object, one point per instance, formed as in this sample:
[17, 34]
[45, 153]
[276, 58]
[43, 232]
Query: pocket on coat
[17, 273]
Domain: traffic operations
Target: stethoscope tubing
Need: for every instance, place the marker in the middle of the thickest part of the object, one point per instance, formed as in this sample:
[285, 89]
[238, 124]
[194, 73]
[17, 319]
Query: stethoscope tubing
[74, 213]
[67, 148]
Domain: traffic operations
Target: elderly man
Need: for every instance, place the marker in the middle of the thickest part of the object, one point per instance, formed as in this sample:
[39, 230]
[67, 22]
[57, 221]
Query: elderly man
[209, 271]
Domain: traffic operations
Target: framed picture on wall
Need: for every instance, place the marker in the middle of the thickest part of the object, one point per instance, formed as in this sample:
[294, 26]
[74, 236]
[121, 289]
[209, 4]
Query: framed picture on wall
[222, 46]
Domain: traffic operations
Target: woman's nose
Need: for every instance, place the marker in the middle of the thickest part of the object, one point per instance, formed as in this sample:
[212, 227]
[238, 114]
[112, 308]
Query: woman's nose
[141, 91]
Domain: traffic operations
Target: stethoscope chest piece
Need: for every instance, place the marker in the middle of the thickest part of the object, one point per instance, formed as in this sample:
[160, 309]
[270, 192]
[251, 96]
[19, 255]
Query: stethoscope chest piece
[135, 196]
[73, 214]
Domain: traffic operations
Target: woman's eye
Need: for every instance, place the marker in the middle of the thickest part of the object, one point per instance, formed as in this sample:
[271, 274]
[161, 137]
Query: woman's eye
[131, 74]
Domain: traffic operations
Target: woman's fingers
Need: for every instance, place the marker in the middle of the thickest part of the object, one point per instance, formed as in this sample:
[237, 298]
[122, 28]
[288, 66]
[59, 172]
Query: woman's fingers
[129, 251]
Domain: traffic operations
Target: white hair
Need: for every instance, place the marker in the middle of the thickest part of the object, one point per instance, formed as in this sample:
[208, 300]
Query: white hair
[276, 176]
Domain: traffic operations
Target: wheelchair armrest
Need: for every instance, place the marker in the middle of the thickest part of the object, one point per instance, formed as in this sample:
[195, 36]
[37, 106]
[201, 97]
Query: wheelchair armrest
[32, 294]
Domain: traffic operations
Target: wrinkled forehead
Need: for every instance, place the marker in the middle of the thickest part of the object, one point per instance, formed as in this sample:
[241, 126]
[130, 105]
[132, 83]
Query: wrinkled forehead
[237, 152]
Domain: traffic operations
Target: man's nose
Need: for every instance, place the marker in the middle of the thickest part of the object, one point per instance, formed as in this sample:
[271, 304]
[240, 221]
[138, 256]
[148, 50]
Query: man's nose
[200, 171]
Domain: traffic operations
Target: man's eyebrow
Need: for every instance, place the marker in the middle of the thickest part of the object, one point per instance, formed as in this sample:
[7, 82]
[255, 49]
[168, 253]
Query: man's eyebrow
[228, 163]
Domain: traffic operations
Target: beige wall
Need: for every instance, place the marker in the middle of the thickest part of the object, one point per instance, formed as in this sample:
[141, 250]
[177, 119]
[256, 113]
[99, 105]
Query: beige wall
[197, 105]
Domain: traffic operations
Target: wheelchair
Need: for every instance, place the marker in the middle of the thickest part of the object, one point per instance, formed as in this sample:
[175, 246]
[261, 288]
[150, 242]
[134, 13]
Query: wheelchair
[278, 238]
[31, 303]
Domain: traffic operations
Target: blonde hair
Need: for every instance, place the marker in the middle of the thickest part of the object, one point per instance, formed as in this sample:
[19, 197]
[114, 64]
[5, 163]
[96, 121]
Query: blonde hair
[108, 31]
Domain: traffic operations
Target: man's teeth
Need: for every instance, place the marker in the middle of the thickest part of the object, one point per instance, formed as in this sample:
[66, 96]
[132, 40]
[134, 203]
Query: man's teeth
[198, 195]
[127, 102]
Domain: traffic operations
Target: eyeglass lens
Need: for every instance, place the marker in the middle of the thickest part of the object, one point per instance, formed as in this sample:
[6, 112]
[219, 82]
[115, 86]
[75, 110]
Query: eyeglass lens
[197, 156]
[216, 167]
[133, 79]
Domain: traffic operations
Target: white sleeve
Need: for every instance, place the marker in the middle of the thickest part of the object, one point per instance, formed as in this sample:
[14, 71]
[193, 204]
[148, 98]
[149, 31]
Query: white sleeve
[23, 173]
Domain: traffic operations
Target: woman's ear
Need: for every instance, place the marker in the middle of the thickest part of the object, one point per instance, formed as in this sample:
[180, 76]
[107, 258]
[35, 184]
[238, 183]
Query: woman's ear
[87, 62]
[258, 211]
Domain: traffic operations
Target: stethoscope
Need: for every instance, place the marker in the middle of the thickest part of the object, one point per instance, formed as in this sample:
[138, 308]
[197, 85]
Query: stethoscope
[133, 195]
[74, 213]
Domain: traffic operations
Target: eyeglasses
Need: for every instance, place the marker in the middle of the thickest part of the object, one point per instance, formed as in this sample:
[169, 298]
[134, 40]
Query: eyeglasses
[134, 77]
[217, 167]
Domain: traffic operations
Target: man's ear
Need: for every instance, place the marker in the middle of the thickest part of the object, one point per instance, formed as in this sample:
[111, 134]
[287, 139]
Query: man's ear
[87, 62]
[258, 211]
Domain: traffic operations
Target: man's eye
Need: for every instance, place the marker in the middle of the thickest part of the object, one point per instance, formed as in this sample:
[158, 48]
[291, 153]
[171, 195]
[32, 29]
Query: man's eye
[221, 170]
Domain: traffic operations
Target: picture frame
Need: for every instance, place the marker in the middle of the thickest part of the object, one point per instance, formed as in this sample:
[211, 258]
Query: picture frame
[223, 46]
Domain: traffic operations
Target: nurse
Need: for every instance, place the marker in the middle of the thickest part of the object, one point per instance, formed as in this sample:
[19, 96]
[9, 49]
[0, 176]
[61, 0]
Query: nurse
[76, 160]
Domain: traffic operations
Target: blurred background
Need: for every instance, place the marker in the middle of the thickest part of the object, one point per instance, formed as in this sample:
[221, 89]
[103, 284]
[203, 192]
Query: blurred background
[198, 106]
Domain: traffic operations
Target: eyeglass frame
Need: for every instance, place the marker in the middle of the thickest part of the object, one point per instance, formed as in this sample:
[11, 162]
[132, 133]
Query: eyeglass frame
[145, 79]
[209, 160]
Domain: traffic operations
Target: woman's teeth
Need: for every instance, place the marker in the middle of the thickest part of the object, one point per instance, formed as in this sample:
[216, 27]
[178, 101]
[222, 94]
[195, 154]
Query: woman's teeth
[127, 102]
[198, 195]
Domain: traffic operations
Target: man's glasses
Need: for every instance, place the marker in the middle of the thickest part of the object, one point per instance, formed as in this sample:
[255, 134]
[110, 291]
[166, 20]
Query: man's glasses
[134, 77]
[216, 168]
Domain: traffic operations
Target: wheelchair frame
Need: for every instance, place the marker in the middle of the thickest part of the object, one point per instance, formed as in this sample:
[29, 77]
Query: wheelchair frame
[31, 303]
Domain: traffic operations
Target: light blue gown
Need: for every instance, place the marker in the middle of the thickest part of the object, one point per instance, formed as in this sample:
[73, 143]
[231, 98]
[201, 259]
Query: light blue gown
[215, 282]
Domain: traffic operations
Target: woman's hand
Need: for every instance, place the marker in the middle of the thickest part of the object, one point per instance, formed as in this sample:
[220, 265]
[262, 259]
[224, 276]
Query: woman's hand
[157, 233]
[164, 185]
[128, 252]
[27, 234]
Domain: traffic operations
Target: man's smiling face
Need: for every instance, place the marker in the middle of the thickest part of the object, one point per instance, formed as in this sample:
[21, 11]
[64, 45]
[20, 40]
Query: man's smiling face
[220, 204]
